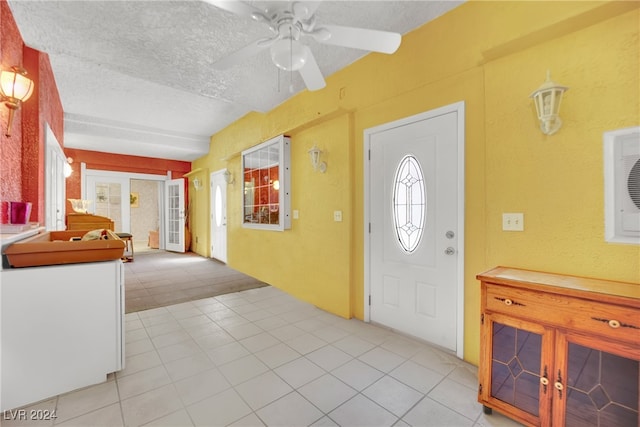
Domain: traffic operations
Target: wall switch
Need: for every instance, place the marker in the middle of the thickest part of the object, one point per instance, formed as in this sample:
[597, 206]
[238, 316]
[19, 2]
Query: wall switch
[513, 222]
[337, 216]
[296, 214]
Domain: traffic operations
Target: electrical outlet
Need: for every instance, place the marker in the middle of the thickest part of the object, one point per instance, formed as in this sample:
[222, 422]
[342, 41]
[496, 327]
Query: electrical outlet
[337, 216]
[513, 222]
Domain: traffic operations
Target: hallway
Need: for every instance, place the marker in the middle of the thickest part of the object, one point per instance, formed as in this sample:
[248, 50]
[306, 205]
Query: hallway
[159, 278]
[261, 357]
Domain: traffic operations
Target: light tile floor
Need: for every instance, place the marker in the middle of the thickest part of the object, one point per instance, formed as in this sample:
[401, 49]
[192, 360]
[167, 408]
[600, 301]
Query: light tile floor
[261, 357]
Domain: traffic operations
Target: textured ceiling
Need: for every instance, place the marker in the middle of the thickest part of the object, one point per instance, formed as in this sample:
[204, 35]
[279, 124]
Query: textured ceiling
[136, 77]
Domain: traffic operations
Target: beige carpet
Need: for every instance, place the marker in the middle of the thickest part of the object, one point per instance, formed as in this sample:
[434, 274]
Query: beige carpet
[159, 278]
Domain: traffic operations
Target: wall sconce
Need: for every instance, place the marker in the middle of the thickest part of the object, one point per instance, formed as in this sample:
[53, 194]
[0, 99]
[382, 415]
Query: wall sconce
[67, 167]
[317, 164]
[547, 99]
[14, 89]
[197, 184]
[228, 177]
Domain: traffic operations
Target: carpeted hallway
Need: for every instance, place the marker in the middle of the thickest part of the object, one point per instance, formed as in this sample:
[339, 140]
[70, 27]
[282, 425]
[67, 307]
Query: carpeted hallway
[159, 278]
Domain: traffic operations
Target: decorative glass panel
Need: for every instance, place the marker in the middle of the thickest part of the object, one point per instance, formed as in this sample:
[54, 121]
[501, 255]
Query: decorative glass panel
[515, 367]
[266, 185]
[409, 203]
[602, 389]
[108, 202]
[173, 221]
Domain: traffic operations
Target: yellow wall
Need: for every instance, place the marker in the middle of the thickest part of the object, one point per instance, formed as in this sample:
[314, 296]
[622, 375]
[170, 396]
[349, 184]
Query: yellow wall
[491, 55]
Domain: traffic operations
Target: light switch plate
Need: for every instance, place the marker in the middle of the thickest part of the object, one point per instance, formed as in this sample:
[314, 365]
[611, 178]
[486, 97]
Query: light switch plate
[513, 222]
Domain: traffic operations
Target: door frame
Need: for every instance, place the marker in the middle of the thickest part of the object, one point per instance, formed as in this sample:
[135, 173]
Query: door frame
[85, 173]
[54, 182]
[459, 108]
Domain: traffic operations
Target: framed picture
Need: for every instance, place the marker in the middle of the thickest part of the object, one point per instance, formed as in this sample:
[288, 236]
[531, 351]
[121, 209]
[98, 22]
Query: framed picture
[134, 199]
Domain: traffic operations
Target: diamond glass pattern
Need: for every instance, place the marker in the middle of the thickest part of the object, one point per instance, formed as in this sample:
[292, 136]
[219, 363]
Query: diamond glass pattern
[409, 203]
[602, 389]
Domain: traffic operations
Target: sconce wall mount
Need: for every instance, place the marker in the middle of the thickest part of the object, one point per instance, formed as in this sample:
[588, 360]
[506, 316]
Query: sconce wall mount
[68, 170]
[197, 184]
[318, 165]
[15, 88]
[228, 177]
[547, 99]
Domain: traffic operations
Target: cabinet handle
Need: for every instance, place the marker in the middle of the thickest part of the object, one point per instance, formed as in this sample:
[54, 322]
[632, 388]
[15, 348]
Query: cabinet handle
[544, 380]
[615, 324]
[509, 302]
[558, 384]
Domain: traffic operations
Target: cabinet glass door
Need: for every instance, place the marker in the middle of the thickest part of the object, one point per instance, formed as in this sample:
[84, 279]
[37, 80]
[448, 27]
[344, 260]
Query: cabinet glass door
[515, 367]
[602, 385]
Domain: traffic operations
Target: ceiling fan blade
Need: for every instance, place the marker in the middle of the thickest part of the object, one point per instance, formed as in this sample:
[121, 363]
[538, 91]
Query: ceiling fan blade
[240, 55]
[239, 8]
[311, 73]
[362, 38]
[304, 10]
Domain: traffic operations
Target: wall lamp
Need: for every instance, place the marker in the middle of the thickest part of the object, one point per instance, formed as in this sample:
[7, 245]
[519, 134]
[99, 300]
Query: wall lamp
[15, 88]
[547, 99]
[228, 177]
[67, 167]
[197, 184]
[318, 165]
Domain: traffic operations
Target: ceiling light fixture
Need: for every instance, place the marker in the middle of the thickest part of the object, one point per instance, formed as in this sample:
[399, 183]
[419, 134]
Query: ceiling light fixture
[288, 54]
[15, 88]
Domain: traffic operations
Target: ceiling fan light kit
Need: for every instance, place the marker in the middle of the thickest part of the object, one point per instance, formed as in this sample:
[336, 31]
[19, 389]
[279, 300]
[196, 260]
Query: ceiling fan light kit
[290, 26]
[288, 54]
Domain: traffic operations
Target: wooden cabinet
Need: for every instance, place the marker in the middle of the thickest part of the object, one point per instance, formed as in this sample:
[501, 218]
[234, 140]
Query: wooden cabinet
[559, 350]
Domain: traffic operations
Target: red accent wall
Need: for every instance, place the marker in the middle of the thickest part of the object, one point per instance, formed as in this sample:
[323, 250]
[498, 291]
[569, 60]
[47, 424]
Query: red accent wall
[119, 163]
[10, 147]
[22, 154]
[22, 167]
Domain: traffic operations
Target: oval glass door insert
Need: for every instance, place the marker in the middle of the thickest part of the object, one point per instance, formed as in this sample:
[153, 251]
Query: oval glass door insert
[409, 203]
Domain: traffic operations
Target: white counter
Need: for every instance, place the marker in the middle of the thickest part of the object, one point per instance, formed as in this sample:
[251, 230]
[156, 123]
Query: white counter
[61, 328]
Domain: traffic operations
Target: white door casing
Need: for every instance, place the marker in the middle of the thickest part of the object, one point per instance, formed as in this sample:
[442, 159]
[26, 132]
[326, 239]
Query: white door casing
[218, 213]
[174, 215]
[54, 182]
[417, 290]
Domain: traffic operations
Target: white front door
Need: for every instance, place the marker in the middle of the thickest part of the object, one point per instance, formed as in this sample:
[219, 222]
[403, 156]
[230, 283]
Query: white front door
[416, 225]
[219, 216]
[174, 214]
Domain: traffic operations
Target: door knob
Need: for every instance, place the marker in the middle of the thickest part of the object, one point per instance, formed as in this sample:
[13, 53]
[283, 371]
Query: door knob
[449, 251]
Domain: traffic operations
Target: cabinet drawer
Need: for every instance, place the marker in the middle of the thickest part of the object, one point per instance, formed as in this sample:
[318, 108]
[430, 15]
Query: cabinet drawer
[604, 319]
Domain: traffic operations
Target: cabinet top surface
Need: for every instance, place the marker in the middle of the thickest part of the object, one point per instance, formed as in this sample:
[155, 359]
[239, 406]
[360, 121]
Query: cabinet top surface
[562, 283]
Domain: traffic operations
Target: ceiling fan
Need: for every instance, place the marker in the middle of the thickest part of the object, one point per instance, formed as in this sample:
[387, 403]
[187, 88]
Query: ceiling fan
[289, 26]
